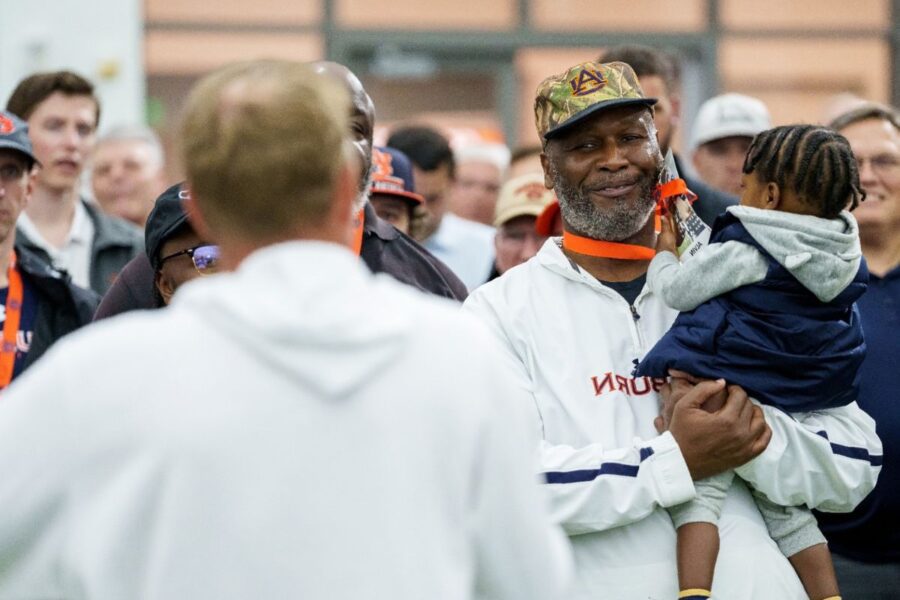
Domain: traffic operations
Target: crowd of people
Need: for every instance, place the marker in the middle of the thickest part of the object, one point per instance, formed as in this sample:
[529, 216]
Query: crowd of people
[427, 371]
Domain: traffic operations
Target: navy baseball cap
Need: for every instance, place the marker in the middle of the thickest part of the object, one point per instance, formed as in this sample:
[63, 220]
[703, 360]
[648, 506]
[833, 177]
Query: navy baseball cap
[14, 136]
[392, 174]
[167, 219]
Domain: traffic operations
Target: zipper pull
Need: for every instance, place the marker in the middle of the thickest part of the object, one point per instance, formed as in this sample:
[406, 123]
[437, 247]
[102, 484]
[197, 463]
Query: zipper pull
[634, 312]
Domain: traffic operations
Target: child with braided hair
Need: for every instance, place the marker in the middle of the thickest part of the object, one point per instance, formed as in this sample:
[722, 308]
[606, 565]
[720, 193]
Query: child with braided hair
[769, 305]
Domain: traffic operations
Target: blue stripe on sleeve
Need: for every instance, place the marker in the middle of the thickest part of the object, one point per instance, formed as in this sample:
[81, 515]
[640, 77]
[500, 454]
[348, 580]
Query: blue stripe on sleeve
[853, 452]
[584, 475]
[591, 474]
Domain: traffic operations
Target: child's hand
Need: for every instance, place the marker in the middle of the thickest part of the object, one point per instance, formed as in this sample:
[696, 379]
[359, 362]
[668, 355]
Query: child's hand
[666, 240]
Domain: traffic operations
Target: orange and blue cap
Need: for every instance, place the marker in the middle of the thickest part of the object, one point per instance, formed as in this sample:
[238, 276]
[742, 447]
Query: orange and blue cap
[392, 174]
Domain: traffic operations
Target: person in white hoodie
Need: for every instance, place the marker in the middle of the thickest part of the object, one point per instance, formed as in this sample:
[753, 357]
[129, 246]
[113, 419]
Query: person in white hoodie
[575, 319]
[281, 431]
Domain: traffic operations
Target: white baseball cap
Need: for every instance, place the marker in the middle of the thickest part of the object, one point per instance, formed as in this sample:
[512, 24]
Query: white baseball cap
[729, 115]
[494, 154]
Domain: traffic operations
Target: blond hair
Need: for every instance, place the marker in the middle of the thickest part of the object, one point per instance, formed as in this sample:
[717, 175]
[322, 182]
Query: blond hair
[262, 144]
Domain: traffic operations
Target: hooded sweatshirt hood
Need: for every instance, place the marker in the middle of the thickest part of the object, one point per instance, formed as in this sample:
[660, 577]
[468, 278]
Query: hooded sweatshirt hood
[822, 254]
[308, 310]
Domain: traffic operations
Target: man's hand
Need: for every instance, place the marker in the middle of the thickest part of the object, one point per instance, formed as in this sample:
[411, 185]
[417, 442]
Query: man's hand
[680, 383]
[717, 441]
[666, 241]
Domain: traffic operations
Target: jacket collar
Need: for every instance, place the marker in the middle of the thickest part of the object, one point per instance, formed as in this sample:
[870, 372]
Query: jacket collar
[375, 225]
[44, 277]
[552, 257]
[28, 262]
[108, 231]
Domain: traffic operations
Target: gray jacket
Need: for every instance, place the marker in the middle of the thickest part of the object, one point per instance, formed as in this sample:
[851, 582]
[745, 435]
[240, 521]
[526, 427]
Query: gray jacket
[115, 243]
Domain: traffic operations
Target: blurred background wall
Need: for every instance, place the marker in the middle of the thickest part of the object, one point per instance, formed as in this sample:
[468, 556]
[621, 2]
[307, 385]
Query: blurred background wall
[101, 39]
[467, 63]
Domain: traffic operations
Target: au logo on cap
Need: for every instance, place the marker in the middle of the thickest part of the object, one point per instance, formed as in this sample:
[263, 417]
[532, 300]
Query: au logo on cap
[587, 82]
[381, 163]
[383, 169]
[532, 191]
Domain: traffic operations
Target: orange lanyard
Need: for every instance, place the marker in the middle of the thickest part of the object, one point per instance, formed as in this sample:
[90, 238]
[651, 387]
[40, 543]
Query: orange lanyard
[14, 298]
[358, 232]
[602, 249]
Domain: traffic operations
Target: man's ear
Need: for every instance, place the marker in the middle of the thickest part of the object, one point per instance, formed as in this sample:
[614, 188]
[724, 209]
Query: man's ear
[773, 196]
[346, 187]
[545, 164]
[164, 287]
[675, 101]
[29, 185]
[343, 200]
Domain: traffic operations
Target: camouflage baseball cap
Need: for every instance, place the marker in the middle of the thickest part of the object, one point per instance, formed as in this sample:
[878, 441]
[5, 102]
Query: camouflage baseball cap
[575, 94]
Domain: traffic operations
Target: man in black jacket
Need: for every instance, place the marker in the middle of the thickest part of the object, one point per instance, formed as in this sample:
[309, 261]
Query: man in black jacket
[62, 306]
[384, 249]
[39, 304]
[659, 76]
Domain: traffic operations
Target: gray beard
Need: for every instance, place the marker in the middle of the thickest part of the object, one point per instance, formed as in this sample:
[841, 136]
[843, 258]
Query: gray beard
[365, 187]
[583, 217]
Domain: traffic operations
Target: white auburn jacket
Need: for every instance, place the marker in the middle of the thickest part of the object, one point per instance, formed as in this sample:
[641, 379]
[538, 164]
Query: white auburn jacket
[571, 344]
[285, 431]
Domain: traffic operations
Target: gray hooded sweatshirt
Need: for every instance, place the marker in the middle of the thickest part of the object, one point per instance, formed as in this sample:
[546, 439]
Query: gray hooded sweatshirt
[822, 254]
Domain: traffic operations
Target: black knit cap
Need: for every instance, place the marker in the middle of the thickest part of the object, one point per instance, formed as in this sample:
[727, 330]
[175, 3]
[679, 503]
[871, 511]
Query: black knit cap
[166, 220]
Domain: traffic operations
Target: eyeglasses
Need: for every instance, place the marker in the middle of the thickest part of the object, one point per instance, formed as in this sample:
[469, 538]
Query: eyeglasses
[882, 164]
[204, 257]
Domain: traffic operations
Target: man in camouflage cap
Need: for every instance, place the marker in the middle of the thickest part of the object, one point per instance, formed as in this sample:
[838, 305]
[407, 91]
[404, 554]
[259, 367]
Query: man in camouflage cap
[582, 105]
[574, 320]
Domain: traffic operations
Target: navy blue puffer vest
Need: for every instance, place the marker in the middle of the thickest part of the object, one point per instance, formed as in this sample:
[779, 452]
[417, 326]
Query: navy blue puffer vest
[774, 338]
